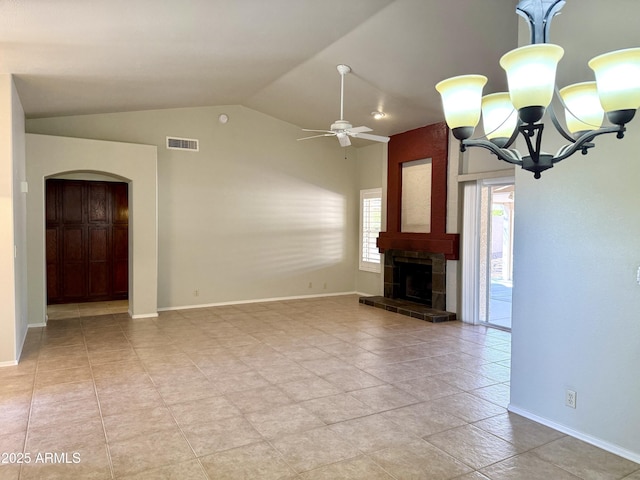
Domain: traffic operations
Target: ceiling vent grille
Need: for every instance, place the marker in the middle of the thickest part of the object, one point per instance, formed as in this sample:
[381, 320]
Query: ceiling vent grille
[190, 144]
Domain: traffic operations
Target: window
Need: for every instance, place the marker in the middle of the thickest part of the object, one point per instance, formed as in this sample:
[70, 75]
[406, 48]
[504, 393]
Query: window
[370, 224]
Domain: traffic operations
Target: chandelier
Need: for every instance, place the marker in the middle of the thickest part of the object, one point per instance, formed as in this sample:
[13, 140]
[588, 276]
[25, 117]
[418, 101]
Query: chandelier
[531, 73]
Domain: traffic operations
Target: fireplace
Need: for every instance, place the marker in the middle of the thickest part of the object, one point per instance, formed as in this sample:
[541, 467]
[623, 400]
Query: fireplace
[416, 276]
[415, 281]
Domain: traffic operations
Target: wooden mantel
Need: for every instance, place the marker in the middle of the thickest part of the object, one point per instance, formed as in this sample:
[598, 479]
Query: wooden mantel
[431, 142]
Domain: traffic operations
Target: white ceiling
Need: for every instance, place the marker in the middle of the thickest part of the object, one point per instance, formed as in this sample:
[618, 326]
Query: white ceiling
[279, 56]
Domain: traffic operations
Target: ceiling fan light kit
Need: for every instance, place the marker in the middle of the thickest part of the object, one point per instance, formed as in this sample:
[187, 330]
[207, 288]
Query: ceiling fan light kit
[342, 129]
[531, 73]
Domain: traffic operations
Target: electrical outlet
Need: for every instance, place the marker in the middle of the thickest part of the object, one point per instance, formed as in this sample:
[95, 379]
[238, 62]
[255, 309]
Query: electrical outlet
[325, 285]
[570, 398]
[196, 293]
[310, 285]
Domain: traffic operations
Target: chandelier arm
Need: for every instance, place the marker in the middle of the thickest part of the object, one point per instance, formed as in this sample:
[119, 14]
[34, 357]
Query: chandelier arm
[514, 135]
[538, 13]
[584, 141]
[502, 153]
[558, 125]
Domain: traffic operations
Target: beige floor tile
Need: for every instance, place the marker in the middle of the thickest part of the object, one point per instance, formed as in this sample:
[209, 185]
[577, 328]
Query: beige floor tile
[314, 448]
[185, 390]
[526, 467]
[126, 353]
[189, 470]
[120, 368]
[11, 443]
[633, 476]
[352, 378]
[256, 461]
[64, 393]
[384, 397]
[259, 399]
[237, 382]
[354, 469]
[70, 375]
[63, 362]
[163, 447]
[122, 398]
[338, 408]
[309, 388]
[473, 476]
[584, 460]
[285, 373]
[468, 407]
[209, 409]
[473, 446]
[326, 366]
[224, 434]
[465, 380]
[66, 436]
[419, 460]
[519, 431]
[372, 433]
[283, 420]
[135, 423]
[54, 414]
[498, 394]
[427, 388]
[10, 471]
[423, 419]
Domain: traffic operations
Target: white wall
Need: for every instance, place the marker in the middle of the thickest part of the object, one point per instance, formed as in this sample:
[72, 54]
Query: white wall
[371, 173]
[49, 156]
[576, 303]
[13, 303]
[253, 215]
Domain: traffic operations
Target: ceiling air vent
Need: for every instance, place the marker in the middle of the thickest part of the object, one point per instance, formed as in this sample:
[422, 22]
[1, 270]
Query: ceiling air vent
[174, 143]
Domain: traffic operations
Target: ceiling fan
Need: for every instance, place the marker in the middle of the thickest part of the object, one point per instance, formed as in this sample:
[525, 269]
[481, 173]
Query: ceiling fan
[342, 128]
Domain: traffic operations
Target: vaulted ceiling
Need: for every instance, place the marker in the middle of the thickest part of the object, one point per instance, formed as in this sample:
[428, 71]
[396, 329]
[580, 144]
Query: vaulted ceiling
[280, 56]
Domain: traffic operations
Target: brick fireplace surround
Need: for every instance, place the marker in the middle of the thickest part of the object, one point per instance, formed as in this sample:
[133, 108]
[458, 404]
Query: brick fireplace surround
[436, 246]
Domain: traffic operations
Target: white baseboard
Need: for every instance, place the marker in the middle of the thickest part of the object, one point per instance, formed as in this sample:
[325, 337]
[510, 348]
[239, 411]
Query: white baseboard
[609, 447]
[36, 325]
[259, 300]
[11, 363]
[145, 315]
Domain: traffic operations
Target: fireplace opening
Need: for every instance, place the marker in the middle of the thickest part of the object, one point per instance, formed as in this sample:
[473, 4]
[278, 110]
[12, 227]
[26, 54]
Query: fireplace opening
[415, 282]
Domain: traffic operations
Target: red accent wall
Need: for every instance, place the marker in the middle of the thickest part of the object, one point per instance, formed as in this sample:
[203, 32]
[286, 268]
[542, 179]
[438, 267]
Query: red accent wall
[431, 142]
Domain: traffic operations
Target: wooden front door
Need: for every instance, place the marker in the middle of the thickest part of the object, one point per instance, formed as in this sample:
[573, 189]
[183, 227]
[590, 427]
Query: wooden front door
[87, 238]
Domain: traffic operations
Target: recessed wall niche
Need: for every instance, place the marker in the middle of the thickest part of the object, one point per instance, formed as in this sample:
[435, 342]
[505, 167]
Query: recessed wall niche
[416, 196]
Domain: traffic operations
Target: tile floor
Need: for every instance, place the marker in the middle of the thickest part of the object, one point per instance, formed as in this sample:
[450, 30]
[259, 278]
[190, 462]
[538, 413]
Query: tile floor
[306, 389]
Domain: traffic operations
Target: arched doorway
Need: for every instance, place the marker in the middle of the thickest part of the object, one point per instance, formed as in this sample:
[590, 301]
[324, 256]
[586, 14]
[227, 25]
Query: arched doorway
[87, 247]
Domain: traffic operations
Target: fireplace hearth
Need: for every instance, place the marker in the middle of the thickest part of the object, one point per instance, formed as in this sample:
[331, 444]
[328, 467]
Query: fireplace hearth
[414, 285]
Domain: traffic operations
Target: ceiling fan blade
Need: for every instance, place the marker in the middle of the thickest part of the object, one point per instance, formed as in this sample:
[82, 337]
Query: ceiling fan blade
[319, 131]
[375, 138]
[344, 140]
[359, 129]
[316, 136]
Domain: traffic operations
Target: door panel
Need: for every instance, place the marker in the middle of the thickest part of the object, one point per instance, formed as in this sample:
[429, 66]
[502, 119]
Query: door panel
[87, 241]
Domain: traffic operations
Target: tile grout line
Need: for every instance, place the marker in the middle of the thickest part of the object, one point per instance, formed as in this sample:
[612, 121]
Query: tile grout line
[95, 390]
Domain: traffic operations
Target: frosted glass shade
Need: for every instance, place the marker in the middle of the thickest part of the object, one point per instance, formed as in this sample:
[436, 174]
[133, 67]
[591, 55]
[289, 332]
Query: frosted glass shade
[461, 97]
[618, 79]
[531, 74]
[499, 118]
[583, 110]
